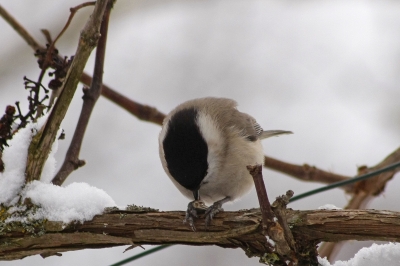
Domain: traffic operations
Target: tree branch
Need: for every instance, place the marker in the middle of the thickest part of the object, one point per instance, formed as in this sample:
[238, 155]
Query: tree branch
[241, 229]
[228, 234]
[19, 29]
[71, 160]
[151, 114]
[265, 207]
[276, 227]
[364, 191]
[40, 146]
[305, 172]
[141, 111]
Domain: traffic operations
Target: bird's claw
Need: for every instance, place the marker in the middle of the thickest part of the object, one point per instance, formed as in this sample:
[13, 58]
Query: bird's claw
[191, 212]
[212, 211]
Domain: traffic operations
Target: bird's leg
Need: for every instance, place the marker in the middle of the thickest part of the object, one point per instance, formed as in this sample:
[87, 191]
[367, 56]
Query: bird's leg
[214, 209]
[193, 208]
[191, 212]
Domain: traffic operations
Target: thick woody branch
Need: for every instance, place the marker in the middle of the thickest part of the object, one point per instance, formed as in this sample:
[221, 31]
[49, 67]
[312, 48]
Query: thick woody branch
[71, 161]
[40, 146]
[275, 224]
[365, 191]
[241, 229]
[375, 185]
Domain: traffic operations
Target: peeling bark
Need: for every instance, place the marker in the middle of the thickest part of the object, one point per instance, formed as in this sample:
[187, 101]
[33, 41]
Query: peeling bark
[241, 229]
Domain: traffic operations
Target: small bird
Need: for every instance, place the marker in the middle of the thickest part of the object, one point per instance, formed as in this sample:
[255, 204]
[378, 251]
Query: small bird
[205, 147]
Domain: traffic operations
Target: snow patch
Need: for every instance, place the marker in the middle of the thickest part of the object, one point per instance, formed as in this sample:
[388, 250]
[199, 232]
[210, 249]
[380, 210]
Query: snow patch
[386, 254]
[75, 202]
[14, 157]
[329, 207]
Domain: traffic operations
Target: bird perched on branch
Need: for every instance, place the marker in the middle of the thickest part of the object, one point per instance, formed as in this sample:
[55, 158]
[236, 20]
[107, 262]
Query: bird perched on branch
[205, 147]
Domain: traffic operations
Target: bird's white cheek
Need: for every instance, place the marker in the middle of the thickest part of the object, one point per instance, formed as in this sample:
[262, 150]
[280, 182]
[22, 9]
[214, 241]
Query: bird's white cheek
[215, 143]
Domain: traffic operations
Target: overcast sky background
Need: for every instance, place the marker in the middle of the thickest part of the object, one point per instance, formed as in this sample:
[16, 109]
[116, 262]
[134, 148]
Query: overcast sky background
[327, 70]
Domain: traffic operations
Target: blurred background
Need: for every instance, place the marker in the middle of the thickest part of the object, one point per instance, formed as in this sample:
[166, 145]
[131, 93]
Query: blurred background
[326, 70]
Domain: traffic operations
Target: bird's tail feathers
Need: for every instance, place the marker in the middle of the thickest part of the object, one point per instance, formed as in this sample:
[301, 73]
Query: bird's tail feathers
[272, 133]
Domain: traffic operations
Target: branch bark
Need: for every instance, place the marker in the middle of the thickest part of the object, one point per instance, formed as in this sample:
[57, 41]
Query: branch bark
[241, 229]
[140, 111]
[274, 222]
[364, 191]
[71, 160]
[306, 172]
[40, 146]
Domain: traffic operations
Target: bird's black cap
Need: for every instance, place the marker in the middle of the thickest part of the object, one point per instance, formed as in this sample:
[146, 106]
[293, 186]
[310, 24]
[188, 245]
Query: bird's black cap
[185, 149]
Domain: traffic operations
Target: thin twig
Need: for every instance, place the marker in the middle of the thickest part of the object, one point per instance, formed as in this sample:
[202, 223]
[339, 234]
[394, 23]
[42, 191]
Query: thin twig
[141, 111]
[19, 29]
[40, 146]
[305, 172]
[50, 50]
[71, 161]
[271, 225]
[279, 209]
[73, 11]
[49, 54]
[265, 206]
[363, 193]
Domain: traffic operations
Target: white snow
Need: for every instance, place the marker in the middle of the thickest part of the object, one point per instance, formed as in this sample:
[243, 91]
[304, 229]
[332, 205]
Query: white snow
[386, 254]
[49, 168]
[75, 202]
[270, 241]
[14, 158]
[329, 207]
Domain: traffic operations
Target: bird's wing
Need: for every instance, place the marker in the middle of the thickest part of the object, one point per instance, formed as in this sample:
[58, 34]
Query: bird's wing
[250, 129]
[247, 126]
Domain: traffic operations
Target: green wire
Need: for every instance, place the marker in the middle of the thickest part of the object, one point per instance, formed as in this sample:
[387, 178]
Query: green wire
[144, 253]
[306, 194]
[345, 182]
